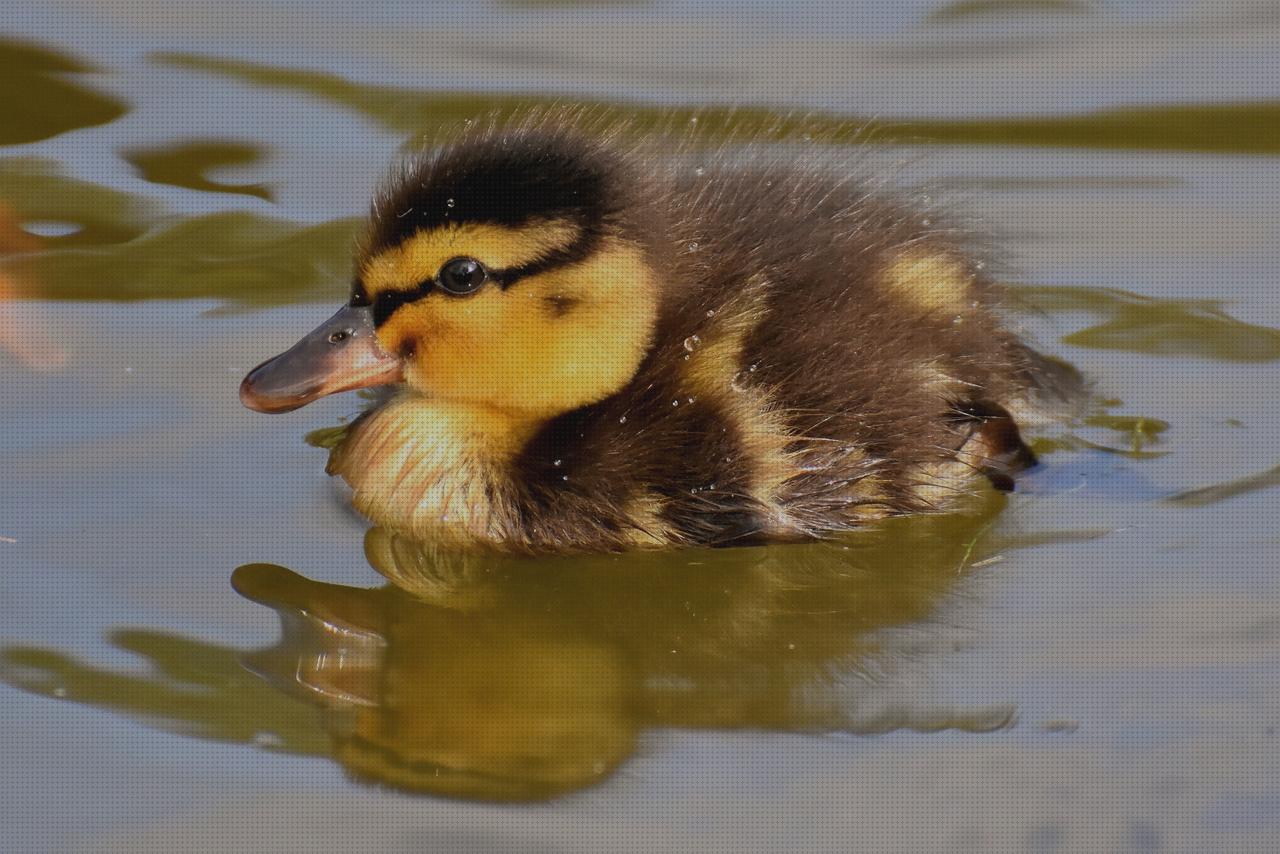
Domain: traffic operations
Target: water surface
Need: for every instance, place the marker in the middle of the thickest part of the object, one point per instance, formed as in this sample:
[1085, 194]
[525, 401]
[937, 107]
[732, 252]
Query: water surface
[200, 645]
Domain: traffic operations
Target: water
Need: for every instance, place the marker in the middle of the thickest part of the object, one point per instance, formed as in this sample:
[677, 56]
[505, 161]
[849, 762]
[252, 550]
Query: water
[1089, 663]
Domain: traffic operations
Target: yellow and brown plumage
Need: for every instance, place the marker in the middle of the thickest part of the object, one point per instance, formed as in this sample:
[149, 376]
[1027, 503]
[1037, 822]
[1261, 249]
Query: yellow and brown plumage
[600, 346]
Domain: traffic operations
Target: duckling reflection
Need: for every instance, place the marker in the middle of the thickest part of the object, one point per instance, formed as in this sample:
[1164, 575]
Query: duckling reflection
[519, 679]
[509, 706]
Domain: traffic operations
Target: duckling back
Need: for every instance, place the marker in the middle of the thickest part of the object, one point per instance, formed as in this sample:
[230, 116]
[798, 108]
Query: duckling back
[824, 356]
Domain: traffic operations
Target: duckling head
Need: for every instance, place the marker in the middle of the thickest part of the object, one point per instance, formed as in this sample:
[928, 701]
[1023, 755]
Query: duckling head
[508, 271]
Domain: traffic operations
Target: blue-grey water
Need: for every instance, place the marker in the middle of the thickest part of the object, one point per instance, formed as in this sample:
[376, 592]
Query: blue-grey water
[1103, 671]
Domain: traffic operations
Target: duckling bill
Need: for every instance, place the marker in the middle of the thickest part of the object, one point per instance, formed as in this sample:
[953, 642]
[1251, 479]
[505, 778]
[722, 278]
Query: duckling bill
[594, 347]
[339, 355]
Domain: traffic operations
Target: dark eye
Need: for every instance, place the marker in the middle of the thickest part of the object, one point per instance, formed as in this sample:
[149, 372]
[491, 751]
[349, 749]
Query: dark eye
[462, 276]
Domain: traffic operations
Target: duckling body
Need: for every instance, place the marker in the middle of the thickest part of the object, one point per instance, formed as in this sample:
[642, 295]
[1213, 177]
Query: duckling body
[598, 348]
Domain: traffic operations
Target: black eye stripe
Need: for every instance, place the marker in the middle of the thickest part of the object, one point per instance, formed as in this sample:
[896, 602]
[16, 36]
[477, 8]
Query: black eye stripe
[579, 250]
[386, 303]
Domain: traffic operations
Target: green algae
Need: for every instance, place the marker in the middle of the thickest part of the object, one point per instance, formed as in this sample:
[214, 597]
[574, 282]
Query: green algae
[1155, 326]
[37, 101]
[36, 190]
[1246, 128]
[964, 10]
[185, 164]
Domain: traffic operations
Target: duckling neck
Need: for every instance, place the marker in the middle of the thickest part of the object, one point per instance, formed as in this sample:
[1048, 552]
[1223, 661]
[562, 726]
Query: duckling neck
[434, 469]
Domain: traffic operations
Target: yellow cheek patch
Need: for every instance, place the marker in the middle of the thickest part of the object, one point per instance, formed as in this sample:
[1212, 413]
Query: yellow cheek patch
[415, 323]
[935, 282]
[505, 349]
[498, 247]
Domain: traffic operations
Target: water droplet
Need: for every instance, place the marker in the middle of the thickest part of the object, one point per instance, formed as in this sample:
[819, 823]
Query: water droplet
[711, 312]
[448, 203]
[926, 222]
[742, 379]
[691, 343]
[675, 403]
[622, 420]
[712, 486]
[557, 463]
[564, 477]
[689, 400]
[699, 171]
[693, 246]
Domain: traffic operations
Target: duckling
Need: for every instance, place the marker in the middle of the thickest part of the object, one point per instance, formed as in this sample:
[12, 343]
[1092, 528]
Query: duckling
[594, 344]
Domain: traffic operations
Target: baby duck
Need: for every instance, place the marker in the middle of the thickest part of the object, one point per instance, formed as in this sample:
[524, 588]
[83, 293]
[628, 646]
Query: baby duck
[595, 347]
